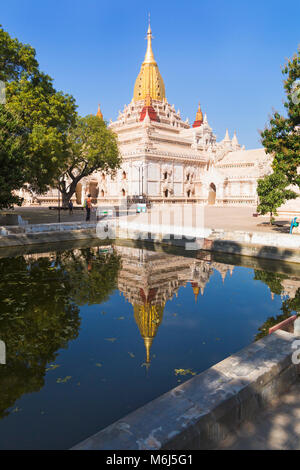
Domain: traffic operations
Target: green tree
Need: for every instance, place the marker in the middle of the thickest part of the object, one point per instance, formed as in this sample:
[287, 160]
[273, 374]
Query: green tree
[48, 115]
[92, 147]
[44, 113]
[282, 138]
[15, 58]
[12, 158]
[272, 193]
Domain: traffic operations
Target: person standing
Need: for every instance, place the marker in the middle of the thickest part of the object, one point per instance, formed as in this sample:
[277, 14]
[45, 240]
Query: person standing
[70, 207]
[88, 207]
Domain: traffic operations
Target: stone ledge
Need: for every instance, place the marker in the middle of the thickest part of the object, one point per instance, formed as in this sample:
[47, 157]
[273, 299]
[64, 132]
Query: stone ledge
[204, 410]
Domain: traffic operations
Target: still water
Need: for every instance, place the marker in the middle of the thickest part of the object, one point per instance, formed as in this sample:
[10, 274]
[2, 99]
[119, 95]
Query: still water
[93, 333]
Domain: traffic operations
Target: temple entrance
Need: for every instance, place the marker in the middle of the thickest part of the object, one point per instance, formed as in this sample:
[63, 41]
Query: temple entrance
[212, 194]
[166, 193]
[94, 191]
[188, 193]
[79, 194]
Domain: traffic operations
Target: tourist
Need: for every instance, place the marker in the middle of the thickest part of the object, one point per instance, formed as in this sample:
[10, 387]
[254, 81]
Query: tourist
[88, 207]
[70, 205]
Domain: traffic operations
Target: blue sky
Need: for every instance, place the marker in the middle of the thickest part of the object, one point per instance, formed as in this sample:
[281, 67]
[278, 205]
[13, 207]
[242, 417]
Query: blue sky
[227, 54]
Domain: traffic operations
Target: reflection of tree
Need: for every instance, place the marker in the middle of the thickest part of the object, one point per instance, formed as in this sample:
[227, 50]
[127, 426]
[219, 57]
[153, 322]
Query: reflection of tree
[93, 274]
[39, 315]
[289, 306]
[272, 280]
[37, 318]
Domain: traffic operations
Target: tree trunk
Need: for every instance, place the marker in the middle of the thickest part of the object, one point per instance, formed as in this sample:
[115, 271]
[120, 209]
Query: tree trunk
[65, 198]
[67, 194]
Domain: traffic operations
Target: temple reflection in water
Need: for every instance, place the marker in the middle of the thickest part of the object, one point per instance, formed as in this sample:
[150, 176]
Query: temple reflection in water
[148, 279]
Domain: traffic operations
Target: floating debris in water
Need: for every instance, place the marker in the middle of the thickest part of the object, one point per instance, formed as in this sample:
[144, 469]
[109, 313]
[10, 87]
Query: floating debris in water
[52, 367]
[63, 381]
[16, 410]
[98, 364]
[184, 372]
[112, 340]
[131, 354]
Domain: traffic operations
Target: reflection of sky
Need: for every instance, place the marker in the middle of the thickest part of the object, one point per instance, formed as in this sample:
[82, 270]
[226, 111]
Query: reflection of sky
[105, 363]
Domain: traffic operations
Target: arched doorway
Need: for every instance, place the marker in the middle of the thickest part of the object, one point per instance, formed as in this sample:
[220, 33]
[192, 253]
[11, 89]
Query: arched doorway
[79, 194]
[212, 194]
[188, 193]
[94, 190]
[123, 193]
[166, 193]
[102, 193]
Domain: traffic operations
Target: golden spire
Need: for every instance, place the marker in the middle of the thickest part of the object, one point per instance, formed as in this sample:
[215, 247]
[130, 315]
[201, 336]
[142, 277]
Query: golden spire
[99, 114]
[148, 318]
[196, 290]
[149, 57]
[149, 81]
[199, 115]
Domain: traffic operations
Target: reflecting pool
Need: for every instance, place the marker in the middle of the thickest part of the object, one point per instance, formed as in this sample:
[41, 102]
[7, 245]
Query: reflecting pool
[92, 333]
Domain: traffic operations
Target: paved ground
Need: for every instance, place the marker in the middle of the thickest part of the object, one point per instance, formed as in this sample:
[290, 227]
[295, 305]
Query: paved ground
[228, 218]
[277, 428]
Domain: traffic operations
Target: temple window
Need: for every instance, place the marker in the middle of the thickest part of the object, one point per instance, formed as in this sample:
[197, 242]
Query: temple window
[123, 192]
[124, 176]
[165, 175]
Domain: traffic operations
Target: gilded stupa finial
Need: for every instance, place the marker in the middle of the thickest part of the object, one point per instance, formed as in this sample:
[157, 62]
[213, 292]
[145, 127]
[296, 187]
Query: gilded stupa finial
[99, 113]
[149, 80]
[199, 117]
[149, 57]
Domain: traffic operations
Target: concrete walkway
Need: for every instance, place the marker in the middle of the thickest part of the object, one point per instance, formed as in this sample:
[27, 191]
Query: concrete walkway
[227, 218]
[277, 428]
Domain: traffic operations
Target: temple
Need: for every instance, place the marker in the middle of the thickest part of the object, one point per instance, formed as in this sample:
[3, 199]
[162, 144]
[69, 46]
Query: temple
[166, 159]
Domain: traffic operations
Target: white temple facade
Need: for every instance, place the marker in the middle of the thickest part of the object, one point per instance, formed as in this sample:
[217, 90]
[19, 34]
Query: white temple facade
[168, 160]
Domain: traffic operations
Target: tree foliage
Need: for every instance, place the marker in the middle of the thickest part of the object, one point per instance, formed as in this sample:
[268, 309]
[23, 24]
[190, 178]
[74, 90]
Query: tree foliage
[282, 138]
[272, 192]
[15, 58]
[44, 113]
[12, 157]
[92, 147]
